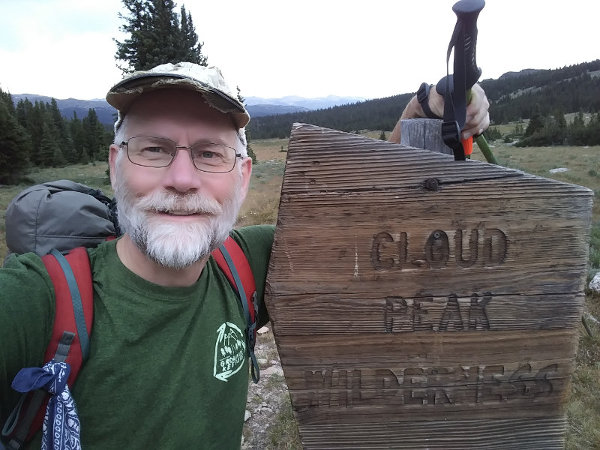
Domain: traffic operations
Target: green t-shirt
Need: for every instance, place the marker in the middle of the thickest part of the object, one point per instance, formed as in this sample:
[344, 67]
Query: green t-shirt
[167, 366]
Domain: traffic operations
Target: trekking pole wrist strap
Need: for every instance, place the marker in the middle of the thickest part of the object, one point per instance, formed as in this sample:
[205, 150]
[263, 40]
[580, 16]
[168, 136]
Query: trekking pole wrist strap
[423, 99]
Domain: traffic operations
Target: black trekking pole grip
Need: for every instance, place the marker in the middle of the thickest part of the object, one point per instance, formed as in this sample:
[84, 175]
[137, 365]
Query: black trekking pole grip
[467, 12]
[464, 43]
[456, 88]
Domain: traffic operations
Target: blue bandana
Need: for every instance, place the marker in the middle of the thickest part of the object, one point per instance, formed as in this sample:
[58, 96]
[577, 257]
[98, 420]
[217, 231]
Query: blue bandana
[61, 427]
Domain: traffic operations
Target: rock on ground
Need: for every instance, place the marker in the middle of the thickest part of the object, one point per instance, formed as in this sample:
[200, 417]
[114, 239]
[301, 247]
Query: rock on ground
[595, 283]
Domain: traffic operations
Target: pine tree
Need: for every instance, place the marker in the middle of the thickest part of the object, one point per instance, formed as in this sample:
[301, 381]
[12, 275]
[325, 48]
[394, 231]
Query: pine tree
[77, 139]
[94, 137]
[577, 130]
[35, 126]
[58, 159]
[63, 133]
[14, 144]
[48, 149]
[6, 98]
[561, 122]
[593, 127]
[191, 49]
[133, 50]
[157, 35]
[165, 32]
[536, 124]
[23, 112]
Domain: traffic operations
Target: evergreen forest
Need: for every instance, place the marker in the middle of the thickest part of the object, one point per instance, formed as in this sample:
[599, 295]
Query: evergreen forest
[36, 134]
[537, 98]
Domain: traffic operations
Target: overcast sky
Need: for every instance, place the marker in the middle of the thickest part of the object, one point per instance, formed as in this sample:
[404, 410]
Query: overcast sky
[310, 48]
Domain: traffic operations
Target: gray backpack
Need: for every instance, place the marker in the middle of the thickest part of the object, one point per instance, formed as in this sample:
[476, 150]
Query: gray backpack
[59, 215]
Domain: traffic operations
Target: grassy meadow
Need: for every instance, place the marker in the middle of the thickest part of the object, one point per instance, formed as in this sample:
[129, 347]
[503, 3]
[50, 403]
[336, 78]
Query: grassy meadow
[583, 164]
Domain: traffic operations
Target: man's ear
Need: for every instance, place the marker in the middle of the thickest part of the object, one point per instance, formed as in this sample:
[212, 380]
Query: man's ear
[112, 161]
[246, 169]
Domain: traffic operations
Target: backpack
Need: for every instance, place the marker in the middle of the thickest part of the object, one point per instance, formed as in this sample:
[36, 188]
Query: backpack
[41, 219]
[59, 215]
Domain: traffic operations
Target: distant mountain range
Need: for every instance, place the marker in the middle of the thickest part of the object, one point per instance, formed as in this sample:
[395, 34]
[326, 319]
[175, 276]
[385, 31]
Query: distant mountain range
[513, 96]
[306, 104]
[257, 106]
[67, 107]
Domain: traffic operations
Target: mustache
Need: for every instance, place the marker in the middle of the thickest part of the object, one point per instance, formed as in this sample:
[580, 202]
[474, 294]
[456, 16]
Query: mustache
[180, 204]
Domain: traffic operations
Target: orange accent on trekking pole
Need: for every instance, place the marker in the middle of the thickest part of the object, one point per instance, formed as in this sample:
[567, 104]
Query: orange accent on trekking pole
[468, 146]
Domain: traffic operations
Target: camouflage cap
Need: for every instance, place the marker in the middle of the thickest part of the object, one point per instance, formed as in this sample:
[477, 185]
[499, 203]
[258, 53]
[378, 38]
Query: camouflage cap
[208, 81]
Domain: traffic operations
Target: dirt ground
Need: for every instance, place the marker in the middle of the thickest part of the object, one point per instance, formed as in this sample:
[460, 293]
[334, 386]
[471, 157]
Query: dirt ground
[266, 398]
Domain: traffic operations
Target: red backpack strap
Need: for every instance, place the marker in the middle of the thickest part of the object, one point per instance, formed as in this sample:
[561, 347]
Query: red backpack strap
[242, 266]
[72, 279]
[233, 262]
[71, 276]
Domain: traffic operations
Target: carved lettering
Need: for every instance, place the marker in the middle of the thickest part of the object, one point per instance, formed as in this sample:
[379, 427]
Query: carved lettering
[461, 261]
[380, 242]
[396, 315]
[424, 386]
[428, 313]
[403, 315]
[478, 319]
[437, 249]
[543, 380]
[495, 246]
[524, 381]
[388, 252]
[420, 313]
[484, 246]
[451, 316]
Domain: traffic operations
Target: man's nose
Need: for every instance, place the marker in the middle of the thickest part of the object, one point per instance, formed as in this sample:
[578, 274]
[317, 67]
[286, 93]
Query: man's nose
[182, 175]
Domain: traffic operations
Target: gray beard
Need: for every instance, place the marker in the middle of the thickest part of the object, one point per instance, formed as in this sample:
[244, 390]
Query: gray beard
[176, 245]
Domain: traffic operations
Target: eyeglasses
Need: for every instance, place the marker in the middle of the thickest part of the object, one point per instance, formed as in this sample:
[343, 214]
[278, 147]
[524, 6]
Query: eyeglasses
[150, 151]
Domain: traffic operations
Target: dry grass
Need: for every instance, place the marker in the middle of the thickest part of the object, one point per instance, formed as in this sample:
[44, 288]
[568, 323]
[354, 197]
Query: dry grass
[270, 149]
[583, 410]
[262, 202]
[583, 164]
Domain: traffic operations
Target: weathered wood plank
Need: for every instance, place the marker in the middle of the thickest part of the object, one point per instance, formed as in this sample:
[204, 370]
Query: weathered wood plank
[418, 347]
[345, 314]
[424, 133]
[407, 288]
[464, 434]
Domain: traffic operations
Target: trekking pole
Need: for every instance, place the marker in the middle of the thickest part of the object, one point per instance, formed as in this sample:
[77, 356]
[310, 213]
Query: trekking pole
[456, 88]
[482, 142]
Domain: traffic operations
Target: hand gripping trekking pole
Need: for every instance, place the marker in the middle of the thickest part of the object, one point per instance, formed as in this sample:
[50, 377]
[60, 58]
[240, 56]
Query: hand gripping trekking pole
[456, 88]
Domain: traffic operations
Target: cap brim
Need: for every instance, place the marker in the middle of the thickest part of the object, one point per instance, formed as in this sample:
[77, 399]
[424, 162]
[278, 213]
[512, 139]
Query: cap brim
[123, 94]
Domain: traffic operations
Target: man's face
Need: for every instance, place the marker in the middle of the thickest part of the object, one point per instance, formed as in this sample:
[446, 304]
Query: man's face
[178, 214]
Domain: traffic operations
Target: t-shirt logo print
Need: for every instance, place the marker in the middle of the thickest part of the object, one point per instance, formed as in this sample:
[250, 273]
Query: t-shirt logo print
[230, 351]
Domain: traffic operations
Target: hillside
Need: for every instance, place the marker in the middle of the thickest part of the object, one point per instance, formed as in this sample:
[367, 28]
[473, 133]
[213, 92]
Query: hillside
[527, 93]
[380, 114]
[513, 96]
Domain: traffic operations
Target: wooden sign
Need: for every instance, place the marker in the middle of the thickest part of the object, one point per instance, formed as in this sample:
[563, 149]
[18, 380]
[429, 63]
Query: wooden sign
[420, 302]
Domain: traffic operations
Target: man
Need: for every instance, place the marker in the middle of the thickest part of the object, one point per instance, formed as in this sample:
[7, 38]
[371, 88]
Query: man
[165, 315]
